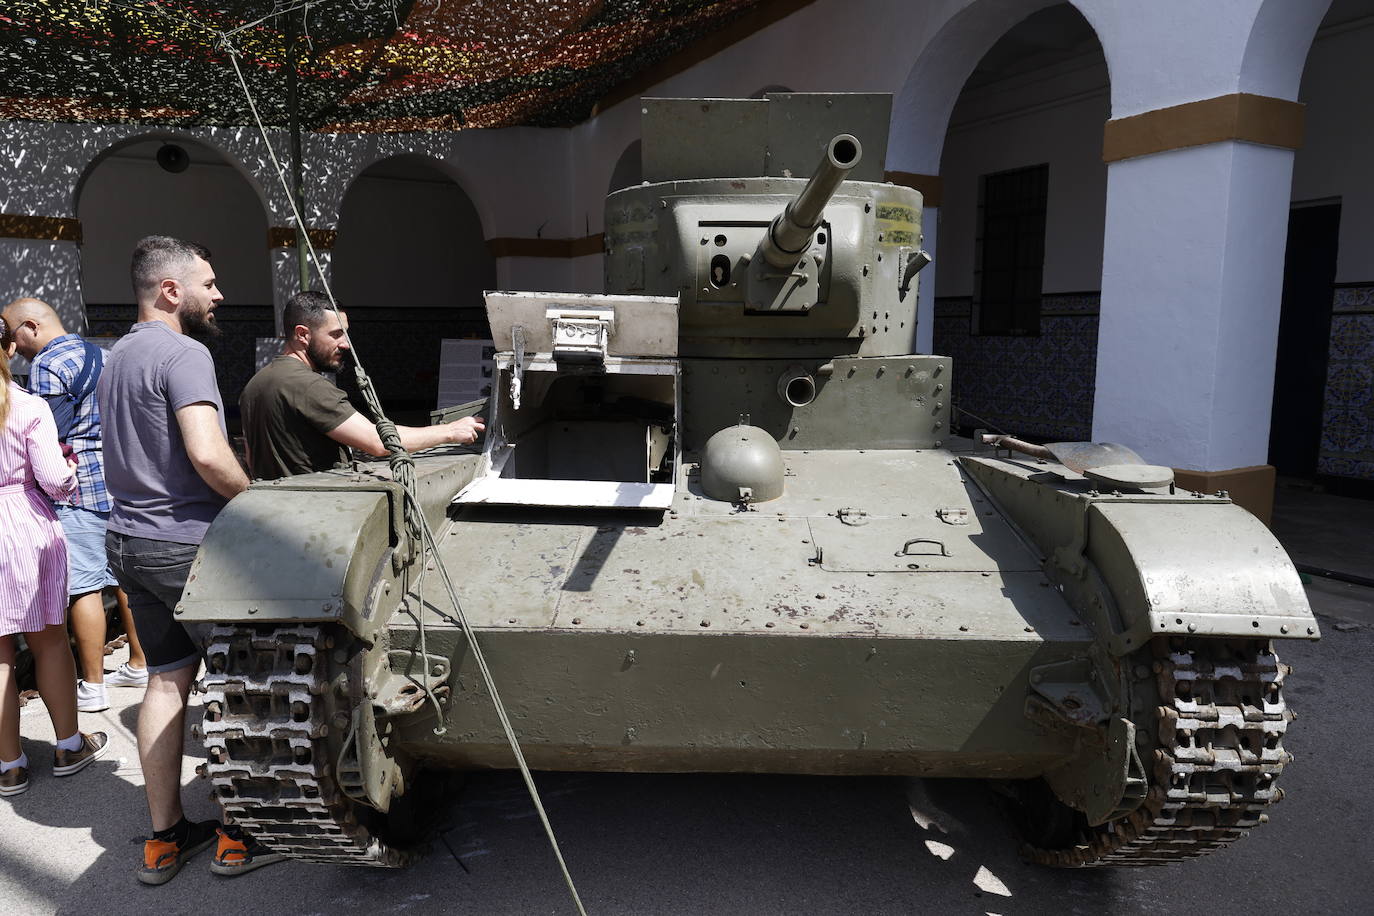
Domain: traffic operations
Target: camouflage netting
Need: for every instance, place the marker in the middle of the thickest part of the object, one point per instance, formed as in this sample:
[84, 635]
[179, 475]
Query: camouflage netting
[363, 65]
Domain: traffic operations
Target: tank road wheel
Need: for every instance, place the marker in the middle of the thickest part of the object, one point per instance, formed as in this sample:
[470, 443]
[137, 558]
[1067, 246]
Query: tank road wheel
[1218, 730]
[278, 712]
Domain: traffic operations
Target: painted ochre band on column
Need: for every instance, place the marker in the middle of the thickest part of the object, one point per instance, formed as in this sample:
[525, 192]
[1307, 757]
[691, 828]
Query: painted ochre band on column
[40, 228]
[285, 237]
[1240, 116]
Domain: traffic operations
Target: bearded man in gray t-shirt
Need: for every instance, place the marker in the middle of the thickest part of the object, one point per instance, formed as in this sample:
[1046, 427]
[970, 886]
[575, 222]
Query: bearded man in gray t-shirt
[169, 470]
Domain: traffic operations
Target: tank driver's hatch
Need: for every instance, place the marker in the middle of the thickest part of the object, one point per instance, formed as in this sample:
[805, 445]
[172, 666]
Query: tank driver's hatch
[585, 409]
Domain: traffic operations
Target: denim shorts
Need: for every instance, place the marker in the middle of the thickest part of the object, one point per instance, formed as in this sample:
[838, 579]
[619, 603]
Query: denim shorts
[153, 573]
[88, 570]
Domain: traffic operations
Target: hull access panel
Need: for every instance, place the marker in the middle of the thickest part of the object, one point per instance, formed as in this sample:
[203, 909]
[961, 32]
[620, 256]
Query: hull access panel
[586, 405]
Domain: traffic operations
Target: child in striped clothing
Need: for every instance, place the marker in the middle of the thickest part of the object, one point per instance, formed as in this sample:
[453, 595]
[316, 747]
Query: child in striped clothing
[33, 580]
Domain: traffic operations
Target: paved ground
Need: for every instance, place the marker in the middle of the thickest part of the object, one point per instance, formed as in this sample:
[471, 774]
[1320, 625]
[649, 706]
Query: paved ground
[1317, 529]
[739, 844]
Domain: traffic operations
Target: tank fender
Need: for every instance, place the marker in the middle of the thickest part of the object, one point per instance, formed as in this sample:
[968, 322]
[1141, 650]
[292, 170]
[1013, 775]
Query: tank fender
[1196, 567]
[299, 550]
[1133, 566]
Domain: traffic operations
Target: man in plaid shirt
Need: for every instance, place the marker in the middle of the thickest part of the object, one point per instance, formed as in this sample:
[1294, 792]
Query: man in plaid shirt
[58, 361]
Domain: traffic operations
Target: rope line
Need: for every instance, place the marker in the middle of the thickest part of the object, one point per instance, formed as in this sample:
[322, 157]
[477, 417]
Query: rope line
[417, 526]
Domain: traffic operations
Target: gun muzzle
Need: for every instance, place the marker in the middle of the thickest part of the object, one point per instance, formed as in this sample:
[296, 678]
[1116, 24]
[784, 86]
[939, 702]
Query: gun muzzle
[791, 231]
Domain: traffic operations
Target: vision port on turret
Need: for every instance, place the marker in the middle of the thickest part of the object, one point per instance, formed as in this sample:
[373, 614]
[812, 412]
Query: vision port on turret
[720, 269]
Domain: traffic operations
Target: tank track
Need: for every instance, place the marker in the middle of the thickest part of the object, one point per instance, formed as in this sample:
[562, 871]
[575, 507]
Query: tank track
[272, 695]
[1220, 725]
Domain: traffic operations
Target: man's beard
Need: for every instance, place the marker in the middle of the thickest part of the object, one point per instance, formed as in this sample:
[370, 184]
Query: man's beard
[199, 325]
[322, 359]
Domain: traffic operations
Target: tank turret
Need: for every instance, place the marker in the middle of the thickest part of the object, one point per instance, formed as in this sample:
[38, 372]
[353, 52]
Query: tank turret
[767, 262]
[795, 279]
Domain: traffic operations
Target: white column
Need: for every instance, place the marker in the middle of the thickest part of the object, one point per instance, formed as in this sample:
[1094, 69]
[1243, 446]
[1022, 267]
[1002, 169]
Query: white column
[1192, 277]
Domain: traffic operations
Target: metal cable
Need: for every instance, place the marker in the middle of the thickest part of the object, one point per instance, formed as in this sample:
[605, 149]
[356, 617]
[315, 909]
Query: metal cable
[403, 472]
[462, 620]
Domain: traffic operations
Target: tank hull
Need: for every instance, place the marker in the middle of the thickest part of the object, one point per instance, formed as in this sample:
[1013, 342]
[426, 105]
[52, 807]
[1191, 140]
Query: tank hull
[794, 637]
[616, 701]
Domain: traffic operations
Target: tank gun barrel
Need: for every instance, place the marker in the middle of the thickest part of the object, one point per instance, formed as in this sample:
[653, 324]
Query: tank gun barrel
[790, 233]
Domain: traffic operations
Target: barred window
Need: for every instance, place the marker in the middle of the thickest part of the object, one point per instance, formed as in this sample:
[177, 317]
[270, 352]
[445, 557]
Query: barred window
[1011, 251]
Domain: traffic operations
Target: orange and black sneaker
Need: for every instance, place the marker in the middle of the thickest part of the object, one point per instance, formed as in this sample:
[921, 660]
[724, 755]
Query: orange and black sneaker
[167, 850]
[238, 853]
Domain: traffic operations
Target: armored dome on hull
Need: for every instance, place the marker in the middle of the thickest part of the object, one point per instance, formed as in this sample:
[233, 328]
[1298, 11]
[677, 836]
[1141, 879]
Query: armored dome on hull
[742, 464]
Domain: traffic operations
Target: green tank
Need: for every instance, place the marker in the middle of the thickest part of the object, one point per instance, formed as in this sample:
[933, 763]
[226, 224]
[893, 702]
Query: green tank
[720, 522]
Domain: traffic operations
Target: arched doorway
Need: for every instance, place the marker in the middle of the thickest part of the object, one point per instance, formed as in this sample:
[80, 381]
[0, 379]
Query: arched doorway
[1322, 422]
[186, 189]
[1020, 228]
[410, 265]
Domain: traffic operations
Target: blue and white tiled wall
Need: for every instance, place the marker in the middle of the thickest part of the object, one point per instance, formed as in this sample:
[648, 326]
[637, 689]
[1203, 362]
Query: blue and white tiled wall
[399, 345]
[1038, 387]
[1042, 387]
[1347, 446]
[233, 349]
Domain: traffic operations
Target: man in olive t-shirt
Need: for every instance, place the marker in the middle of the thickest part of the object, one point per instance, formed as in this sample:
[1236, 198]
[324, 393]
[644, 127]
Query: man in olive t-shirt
[296, 421]
[288, 412]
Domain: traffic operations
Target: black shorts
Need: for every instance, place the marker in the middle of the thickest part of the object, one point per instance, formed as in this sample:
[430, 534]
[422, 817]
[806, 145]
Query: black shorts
[153, 573]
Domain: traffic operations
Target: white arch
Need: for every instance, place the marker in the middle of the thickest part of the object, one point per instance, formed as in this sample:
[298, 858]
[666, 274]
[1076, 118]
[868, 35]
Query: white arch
[168, 136]
[628, 169]
[447, 214]
[233, 219]
[1278, 46]
[922, 107]
[445, 165]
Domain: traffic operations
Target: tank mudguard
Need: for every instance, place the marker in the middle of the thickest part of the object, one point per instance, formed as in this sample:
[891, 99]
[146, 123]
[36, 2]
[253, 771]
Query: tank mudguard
[288, 551]
[1202, 567]
[1138, 564]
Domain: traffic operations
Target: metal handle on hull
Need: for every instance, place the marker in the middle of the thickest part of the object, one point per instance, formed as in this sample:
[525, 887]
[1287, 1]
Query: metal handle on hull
[905, 551]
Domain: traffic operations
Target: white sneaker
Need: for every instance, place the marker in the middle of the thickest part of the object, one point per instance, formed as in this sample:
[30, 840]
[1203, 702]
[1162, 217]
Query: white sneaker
[127, 675]
[91, 697]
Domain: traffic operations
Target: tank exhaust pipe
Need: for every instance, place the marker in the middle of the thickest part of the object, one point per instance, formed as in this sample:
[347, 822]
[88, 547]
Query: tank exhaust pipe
[791, 231]
[796, 387]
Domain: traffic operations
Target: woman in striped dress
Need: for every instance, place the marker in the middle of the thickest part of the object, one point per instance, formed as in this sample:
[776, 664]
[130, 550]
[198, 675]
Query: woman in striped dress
[33, 580]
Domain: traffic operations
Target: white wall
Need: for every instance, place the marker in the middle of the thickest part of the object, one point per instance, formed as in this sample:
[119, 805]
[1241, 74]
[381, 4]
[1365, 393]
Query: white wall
[519, 181]
[413, 241]
[1057, 115]
[523, 178]
[125, 199]
[827, 46]
[527, 180]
